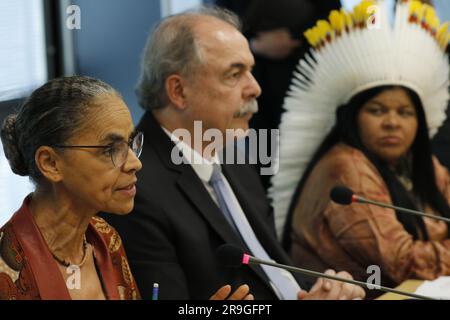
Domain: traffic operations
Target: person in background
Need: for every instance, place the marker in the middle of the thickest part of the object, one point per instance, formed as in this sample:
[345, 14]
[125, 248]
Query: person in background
[378, 145]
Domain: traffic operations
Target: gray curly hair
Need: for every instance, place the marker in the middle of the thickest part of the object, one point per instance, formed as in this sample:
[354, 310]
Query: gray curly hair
[172, 48]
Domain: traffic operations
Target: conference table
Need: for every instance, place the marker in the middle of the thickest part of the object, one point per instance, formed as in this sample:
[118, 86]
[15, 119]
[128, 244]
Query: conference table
[407, 286]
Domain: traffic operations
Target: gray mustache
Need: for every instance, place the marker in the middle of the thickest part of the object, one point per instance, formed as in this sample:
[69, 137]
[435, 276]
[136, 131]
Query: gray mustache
[249, 107]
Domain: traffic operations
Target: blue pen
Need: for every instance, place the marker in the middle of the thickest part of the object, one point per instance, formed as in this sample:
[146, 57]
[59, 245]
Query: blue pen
[155, 291]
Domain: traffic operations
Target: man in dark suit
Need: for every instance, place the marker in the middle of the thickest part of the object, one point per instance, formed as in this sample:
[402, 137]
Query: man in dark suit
[197, 67]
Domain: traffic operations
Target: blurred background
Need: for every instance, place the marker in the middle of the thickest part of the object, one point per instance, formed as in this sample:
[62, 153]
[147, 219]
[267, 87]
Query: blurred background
[36, 44]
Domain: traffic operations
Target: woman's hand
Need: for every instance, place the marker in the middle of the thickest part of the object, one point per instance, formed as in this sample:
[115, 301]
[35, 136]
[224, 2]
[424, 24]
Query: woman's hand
[241, 293]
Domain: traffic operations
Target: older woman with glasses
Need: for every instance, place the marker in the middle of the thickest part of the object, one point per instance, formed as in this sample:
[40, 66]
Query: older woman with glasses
[75, 139]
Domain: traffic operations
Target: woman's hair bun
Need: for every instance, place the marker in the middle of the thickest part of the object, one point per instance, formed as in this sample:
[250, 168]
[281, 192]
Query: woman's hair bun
[10, 146]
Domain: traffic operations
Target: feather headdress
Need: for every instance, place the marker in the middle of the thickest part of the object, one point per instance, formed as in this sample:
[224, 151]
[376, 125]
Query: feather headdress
[352, 52]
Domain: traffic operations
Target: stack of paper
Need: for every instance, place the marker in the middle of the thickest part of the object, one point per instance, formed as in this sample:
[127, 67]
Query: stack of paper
[438, 289]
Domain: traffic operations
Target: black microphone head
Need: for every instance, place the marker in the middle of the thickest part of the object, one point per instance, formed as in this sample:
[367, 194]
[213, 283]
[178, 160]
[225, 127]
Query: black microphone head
[229, 255]
[341, 195]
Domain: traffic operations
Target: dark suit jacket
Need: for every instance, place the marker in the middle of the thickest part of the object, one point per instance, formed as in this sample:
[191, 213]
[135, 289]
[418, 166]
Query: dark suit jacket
[173, 233]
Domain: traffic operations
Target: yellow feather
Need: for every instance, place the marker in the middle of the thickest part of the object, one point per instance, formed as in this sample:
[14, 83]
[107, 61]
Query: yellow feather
[337, 20]
[309, 36]
[365, 6]
[442, 32]
[415, 8]
[358, 14]
[324, 29]
[444, 43]
[348, 20]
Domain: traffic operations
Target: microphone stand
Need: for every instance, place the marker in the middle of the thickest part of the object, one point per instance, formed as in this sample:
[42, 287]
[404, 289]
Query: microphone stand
[418, 213]
[253, 260]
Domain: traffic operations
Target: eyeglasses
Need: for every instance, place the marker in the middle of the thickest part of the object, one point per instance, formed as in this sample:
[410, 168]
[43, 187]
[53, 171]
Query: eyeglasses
[118, 150]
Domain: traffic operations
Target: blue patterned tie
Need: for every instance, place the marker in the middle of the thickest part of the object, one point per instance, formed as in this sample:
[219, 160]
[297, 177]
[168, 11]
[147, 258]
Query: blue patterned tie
[282, 281]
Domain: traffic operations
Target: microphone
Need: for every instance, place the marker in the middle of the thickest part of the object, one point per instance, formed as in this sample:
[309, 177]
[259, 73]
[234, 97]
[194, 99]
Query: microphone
[345, 196]
[232, 256]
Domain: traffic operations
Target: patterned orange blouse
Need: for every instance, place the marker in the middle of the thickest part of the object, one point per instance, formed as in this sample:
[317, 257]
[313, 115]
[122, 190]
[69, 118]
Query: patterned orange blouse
[28, 270]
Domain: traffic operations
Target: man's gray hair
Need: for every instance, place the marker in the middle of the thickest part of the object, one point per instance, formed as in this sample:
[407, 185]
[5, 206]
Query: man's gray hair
[172, 48]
